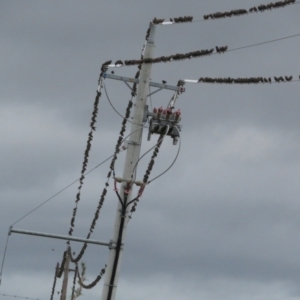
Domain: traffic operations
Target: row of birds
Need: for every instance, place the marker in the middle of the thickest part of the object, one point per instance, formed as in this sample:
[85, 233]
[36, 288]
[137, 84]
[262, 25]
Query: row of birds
[239, 12]
[271, 5]
[173, 20]
[246, 80]
[177, 56]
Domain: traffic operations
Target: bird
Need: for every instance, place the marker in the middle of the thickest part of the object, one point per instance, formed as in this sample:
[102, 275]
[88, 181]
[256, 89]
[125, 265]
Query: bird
[107, 62]
[164, 82]
[288, 78]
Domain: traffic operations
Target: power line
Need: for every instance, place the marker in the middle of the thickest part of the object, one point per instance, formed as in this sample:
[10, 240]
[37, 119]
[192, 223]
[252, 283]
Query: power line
[19, 297]
[221, 15]
[266, 42]
[61, 191]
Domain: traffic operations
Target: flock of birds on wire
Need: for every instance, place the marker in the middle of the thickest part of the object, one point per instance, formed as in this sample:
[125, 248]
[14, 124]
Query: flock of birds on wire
[105, 65]
[227, 14]
[250, 80]
[174, 57]
[239, 12]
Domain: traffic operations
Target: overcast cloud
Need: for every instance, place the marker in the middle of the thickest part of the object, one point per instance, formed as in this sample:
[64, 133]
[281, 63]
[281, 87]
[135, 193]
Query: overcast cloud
[224, 222]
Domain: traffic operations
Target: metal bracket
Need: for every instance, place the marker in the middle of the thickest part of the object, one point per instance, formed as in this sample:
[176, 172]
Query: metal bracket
[113, 245]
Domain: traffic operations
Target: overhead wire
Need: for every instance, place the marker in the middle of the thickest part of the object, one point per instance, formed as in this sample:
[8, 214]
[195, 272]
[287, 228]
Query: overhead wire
[226, 14]
[60, 191]
[104, 192]
[54, 282]
[19, 297]
[113, 107]
[242, 80]
[136, 164]
[178, 151]
[93, 283]
[4, 255]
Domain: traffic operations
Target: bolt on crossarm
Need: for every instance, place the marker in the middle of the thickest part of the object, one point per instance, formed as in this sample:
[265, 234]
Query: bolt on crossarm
[132, 156]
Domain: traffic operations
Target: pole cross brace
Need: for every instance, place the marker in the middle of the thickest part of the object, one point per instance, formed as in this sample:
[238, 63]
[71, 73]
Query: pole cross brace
[61, 237]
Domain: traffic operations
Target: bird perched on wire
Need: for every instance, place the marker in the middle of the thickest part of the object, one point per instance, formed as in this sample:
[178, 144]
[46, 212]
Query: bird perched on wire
[288, 78]
[119, 62]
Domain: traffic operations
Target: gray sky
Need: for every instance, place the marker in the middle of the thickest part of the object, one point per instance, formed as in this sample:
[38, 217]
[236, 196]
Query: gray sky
[223, 223]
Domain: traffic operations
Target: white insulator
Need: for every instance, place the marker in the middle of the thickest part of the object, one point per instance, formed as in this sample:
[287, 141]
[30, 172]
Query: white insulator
[115, 66]
[190, 80]
[139, 183]
[118, 179]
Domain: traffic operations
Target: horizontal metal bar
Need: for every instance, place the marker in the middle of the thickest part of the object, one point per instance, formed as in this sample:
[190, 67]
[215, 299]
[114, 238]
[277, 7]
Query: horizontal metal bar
[135, 80]
[61, 237]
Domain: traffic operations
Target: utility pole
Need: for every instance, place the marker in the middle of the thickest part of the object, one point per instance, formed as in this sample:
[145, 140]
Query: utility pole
[65, 281]
[132, 156]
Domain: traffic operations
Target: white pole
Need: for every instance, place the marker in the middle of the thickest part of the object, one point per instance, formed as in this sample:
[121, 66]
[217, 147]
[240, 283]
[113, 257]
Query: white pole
[66, 275]
[132, 156]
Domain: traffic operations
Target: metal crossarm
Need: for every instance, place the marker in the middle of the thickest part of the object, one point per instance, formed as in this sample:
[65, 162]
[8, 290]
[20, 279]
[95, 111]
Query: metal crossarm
[136, 80]
[61, 237]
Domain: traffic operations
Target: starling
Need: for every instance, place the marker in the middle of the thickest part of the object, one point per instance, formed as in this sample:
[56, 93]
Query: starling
[288, 78]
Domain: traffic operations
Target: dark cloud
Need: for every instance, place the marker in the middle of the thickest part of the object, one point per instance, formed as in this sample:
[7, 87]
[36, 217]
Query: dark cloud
[224, 220]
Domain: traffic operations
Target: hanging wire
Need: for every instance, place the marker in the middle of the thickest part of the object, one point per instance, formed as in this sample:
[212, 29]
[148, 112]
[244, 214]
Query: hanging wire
[4, 255]
[113, 107]
[86, 155]
[93, 283]
[19, 297]
[179, 146]
[74, 282]
[54, 281]
[104, 192]
[221, 15]
[97, 166]
[266, 42]
[244, 80]
[158, 143]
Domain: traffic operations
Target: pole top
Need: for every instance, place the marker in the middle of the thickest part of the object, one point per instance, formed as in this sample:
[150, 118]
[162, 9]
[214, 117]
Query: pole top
[150, 39]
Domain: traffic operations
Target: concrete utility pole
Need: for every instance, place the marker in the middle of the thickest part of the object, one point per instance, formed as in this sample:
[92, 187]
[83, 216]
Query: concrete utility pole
[132, 156]
[66, 275]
